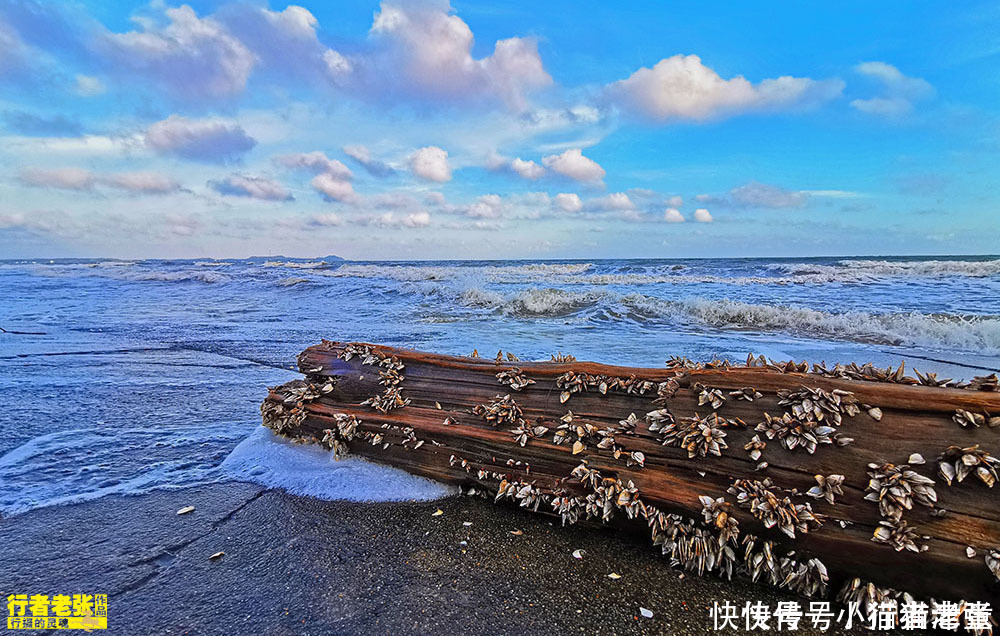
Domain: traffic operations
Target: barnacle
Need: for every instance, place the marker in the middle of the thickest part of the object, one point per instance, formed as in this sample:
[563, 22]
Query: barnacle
[666, 390]
[524, 431]
[703, 437]
[500, 410]
[559, 357]
[514, 378]
[899, 535]
[931, 379]
[747, 393]
[361, 350]
[819, 405]
[867, 596]
[956, 463]
[895, 488]
[336, 438]
[761, 562]
[392, 398]
[826, 487]
[867, 372]
[793, 432]
[708, 395]
[808, 579]
[984, 383]
[717, 514]
[755, 446]
[966, 419]
[771, 509]
[993, 562]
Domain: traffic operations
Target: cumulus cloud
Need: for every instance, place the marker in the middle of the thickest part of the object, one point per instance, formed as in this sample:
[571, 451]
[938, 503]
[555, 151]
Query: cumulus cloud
[333, 188]
[426, 51]
[574, 165]
[391, 220]
[315, 162]
[63, 178]
[327, 220]
[568, 202]
[701, 215]
[211, 140]
[614, 201]
[762, 195]
[375, 167]
[252, 187]
[673, 215]
[527, 169]
[899, 92]
[431, 163]
[675, 201]
[190, 57]
[682, 87]
[488, 206]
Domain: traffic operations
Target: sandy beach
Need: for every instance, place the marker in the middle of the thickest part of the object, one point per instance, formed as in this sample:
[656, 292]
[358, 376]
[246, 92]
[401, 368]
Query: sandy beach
[296, 565]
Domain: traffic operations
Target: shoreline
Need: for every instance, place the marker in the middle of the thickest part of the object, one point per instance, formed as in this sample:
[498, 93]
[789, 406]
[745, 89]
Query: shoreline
[297, 565]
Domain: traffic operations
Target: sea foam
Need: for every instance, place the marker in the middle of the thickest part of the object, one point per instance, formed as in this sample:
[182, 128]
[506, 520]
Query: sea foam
[271, 461]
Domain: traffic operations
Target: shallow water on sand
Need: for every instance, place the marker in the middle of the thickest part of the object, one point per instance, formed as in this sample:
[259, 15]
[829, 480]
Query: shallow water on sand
[149, 373]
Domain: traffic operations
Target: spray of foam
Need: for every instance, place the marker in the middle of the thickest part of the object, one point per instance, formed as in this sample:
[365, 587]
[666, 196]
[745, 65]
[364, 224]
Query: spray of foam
[271, 461]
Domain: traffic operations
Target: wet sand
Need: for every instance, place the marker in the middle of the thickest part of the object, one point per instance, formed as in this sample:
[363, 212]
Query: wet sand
[296, 565]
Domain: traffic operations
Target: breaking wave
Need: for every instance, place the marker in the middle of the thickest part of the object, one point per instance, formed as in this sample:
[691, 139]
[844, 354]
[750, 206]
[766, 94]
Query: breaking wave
[297, 264]
[291, 282]
[939, 331]
[860, 269]
[491, 273]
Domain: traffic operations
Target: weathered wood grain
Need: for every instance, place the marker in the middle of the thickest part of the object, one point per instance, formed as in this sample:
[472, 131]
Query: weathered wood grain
[437, 434]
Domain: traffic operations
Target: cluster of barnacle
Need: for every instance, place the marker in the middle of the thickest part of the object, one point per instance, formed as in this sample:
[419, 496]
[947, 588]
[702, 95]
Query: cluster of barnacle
[708, 395]
[681, 362]
[966, 419]
[895, 488]
[288, 414]
[581, 433]
[718, 514]
[772, 509]
[699, 437]
[747, 393]
[827, 487]
[819, 405]
[789, 366]
[868, 597]
[867, 371]
[510, 357]
[528, 495]
[571, 382]
[514, 378]
[755, 447]
[899, 535]
[666, 390]
[524, 431]
[956, 463]
[567, 507]
[984, 383]
[392, 398]
[562, 358]
[336, 438]
[931, 379]
[793, 432]
[808, 579]
[500, 410]
[367, 354]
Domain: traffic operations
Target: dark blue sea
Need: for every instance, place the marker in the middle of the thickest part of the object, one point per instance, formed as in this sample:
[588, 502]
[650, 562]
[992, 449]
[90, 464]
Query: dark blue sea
[129, 376]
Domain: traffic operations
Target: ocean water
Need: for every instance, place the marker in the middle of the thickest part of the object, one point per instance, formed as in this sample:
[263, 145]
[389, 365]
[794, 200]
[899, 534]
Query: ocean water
[133, 375]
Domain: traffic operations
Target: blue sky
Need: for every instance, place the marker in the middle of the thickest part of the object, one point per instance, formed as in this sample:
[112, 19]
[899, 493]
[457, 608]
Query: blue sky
[498, 129]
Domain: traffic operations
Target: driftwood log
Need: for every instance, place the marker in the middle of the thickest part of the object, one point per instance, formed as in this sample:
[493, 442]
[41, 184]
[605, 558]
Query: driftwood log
[856, 479]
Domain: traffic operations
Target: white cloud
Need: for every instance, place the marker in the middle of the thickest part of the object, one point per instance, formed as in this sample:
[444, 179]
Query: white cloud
[673, 215]
[142, 182]
[327, 220]
[762, 195]
[425, 51]
[252, 187]
[190, 57]
[488, 206]
[315, 162]
[613, 201]
[87, 86]
[701, 215]
[390, 220]
[375, 167]
[200, 139]
[527, 169]
[63, 178]
[681, 87]
[675, 201]
[332, 187]
[574, 165]
[569, 202]
[899, 91]
[431, 163]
